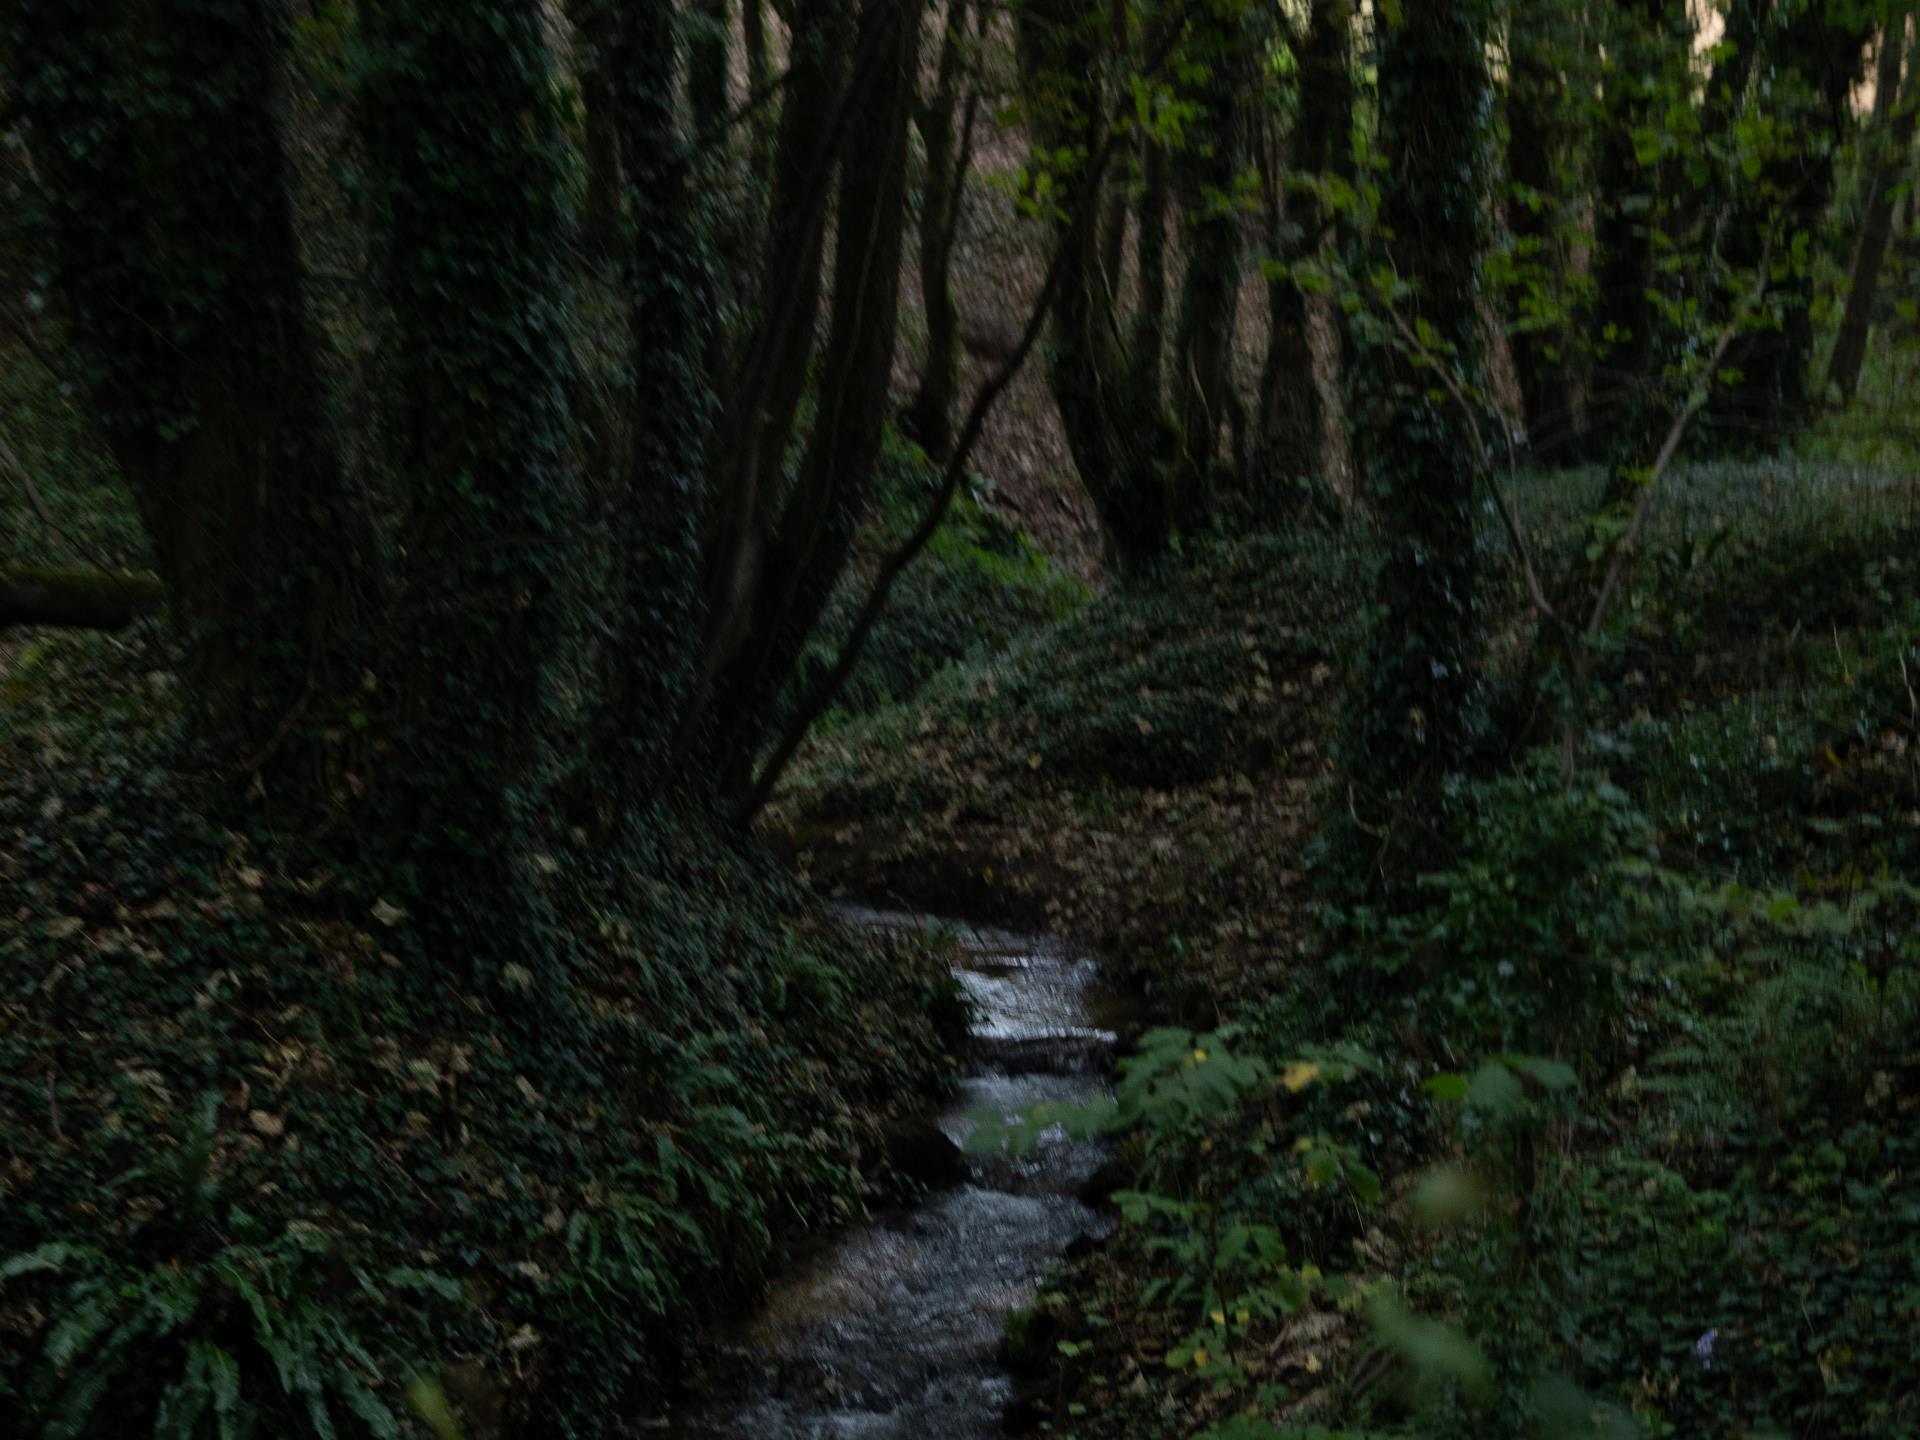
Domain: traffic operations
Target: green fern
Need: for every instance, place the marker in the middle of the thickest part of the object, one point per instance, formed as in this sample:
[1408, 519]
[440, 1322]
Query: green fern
[230, 1347]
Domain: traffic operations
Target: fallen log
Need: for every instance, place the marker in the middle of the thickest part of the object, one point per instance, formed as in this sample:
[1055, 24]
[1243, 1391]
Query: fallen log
[76, 599]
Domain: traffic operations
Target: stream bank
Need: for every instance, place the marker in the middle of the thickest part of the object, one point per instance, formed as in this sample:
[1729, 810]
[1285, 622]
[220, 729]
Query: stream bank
[894, 1329]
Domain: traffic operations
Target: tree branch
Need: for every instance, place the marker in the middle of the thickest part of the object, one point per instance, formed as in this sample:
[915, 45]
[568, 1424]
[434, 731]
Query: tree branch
[76, 599]
[1622, 550]
[822, 693]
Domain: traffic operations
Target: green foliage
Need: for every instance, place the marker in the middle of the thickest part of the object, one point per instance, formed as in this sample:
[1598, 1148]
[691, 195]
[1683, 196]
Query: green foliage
[1178, 681]
[1560, 925]
[1215, 1262]
[1525, 1309]
[1823, 1210]
[206, 1322]
[727, 1060]
[47, 432]
[1749, 1097]
[1526, 938]
[116, 1331]
[977, 586]
[573, 1086]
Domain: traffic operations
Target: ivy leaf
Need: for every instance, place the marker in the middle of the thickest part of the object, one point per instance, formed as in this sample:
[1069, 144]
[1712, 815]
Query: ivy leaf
[1553, 1074]
[1446, 1194]
[1364, 1183]
[50, 1256]
[1436, 1352]
[1494, 1091]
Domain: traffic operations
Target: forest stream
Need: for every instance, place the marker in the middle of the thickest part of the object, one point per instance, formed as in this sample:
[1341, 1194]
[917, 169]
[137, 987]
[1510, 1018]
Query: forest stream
[894, 1330]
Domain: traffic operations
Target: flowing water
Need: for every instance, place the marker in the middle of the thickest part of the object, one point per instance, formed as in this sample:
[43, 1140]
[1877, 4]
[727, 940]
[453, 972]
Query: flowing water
[894, 1330]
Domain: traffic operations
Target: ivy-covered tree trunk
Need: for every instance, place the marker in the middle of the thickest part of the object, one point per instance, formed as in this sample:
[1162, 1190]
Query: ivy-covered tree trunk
[1645, 39]
[930, 417]
[1113, 223]
[708, 35]
[1291, 418]
[1535, 107]
[1895, 108]
[472, 228]
[1420, 709]
[656, 612]
[155, 136]
[1715, 218]
[1147, 346]
[1210, 289]
[753, 42]
[600, 221]
[1710, 188]
[1287, 402]
[1109, 398]
[1060, 74]
[1814, 56]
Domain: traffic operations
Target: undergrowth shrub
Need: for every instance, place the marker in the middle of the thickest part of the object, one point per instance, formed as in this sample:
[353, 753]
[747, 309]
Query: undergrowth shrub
[584, 1171]
[206, 1320]
[979, 583]
[1199, 675]
[1524, 935]
[1749, 1250]
[89, 516]
[1704, 1225]
[1746, 1146]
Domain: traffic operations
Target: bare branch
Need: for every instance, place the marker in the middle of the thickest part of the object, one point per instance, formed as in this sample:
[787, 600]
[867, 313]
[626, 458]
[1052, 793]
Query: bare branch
[1622, 550]
[822, 693]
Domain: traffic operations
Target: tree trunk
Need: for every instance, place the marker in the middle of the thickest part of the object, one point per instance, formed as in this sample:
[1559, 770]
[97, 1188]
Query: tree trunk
[1210, 289]
[1540, 357]
[929, 419]
[753, 36]
[1421, 708]
[1647, 38]
[1726, 98]
[1113, 226]
[1892, 137]
[1816, 64]
[474, 234]
[598, 91]
[76, 599]
[1135, 493]
[157, 144]
[759, 408]
[813, 537]
[1060, 54]
[657, 610]
[1111, 404]
[1148, 347]
[707, 59]
[1292, 419]
[1289, 444]
[1722, 221]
